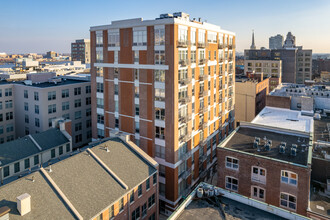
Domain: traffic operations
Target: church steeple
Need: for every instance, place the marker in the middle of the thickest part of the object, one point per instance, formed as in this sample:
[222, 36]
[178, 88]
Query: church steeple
[253, 46]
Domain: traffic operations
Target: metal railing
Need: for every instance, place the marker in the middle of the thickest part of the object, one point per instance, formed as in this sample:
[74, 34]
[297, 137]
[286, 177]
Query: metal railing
[231, 46]
[185, 81]
[184, 99]
[184, 62]
[201, 44]
[185, 138]
[182, 43]
[220, 46]
[185, 118]
[186, 156]
[202, 61]
[203, 77]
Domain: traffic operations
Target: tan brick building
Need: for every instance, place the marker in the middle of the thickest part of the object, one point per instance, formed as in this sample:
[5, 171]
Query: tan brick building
[169, 83]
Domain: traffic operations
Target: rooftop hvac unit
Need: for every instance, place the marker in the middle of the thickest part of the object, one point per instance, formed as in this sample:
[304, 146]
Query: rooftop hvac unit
[282, 149]
[255, 144]
[257, 139]
[270, 142]
[283, 144]
[267, 147]
[293, 151]
[294, 146]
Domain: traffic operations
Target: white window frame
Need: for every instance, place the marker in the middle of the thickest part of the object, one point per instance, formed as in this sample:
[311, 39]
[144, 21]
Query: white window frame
[258, 193]
[288, 201]
[258, 177]
[289, 180]
[232, 165]
[231, 184]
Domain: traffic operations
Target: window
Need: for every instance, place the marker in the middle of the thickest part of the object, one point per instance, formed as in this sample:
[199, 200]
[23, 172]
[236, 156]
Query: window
[77, 115]
[77, 91]
[154, 177]
[257, 193]
[144, 210]
[159, 94]
[26, 106]
[99, 103]
[100, 119]
[100, 133]
[160, 151]
[288, 201]
[65, 106]
[36, 159]
[99, 40]
[160, 132]
[159, 75]
[116, 89]
[88, 123]
[10, 138]
[232, 163]
[201, 36]
[121, 204]
[66, 116]
[78, 126]
[78, 138]
[37, 122]
[52, 153]
[136, 213]
[137, 127]
[99, 87]
[289, 177]
[113, 39]
[26, 130]
[137, 109]
[231, 183]
[160, 113]
[51, 108]
[9, 104]
[136, 56]
[77, 103]
[160, 57]
[26, 94]
[0, 105]
[68, 148]
[10, 128]
[151, 201]
[152, 216]
[6, 171]
[131, 197]
[36, 109]
[1, 129]
[88, 89]
[258, 174]
[16, 167]
[27, 163]
[51, 95]
[88, 112]
[1, 117]
[140, 190]
[148, 184]
[65, 93]
[193, 56]
[140, 38]
[9, 116]
[111, 212]
[8, 92]
[26, 119]
[159, 36]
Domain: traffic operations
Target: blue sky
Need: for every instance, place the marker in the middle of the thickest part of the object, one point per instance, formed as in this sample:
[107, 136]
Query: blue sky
[43, 25]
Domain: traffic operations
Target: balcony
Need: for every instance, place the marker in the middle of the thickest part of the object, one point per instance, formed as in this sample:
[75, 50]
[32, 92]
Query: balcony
[203, 110]
[186, 156]
[203, 158]
[231, 46]
[184, 99]
[203, 174]
[185, 81]
[182, 43]
[202, 126]
[201, 45]
[230, 58]
[184, 62]
[203, 93]
[185, 118]
[202, 61]
[186, 174]
[221, 60]
[230, 82]
[225, 45]
[203, 77]
[220, 46]
[185, 137]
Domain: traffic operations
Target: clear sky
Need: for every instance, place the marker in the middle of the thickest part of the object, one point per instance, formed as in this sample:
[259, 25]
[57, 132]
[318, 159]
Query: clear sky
[43, 25]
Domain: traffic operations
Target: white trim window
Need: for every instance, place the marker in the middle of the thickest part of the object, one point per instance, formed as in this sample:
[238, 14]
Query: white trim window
[183, 35]
[160, 57]
[159, 36]
[211, 37]
[201, 36]
[113, 39]
[193, 37]
[140, 38]
[231, 183]
[258, 193]
[289, 177]
[258, 174]
[232, 163]
[288, 201]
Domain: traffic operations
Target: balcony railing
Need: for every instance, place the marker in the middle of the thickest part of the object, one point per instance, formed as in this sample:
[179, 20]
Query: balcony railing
[203, 174]
[201, 44]
[185, 81]
[203, 110]
[203, 77]
[203, 158]
[185, 137]
[186, 174]
[182, 43]
[203, 93]
[230, 58]
[184, 62]
[186, 156]
[220, 46]
[184, 99]
[202, 61]
[221, 60]
[231, 46]
[185, 118]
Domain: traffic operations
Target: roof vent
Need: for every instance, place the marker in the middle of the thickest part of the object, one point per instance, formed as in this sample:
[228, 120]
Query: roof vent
[24, 204]
[293, 151]
[282, 149]
[107, 149]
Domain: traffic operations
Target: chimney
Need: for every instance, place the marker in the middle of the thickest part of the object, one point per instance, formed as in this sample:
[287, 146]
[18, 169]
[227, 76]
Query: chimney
[24, 204]
[62, 124]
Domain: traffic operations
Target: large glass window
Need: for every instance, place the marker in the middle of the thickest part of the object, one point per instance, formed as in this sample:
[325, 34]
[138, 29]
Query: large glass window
[140, 38]
[289, 177]
[231, 183]
[288, 201]
[159, 36]
[160, 57]
[113, 39]
[159, 75]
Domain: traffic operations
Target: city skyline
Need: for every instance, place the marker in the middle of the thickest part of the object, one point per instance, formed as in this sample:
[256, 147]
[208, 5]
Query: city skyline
[40, 26]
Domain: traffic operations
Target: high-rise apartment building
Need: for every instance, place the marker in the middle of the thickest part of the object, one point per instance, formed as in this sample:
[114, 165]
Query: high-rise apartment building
[169, 83]
[276, 42]
[80, 51]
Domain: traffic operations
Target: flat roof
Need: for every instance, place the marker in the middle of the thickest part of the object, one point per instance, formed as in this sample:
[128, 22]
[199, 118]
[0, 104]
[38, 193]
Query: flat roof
[83, 180]
[321, 129]
[319, 201]
[284, 118]
[207, 209]
[25, 147]
[243, 138]
[51, 84]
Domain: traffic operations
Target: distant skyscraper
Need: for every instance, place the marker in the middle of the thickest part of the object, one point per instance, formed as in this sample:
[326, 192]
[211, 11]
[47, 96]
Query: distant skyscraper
[80, 51]
[276, 42]
[253, 46]
[290, 41]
